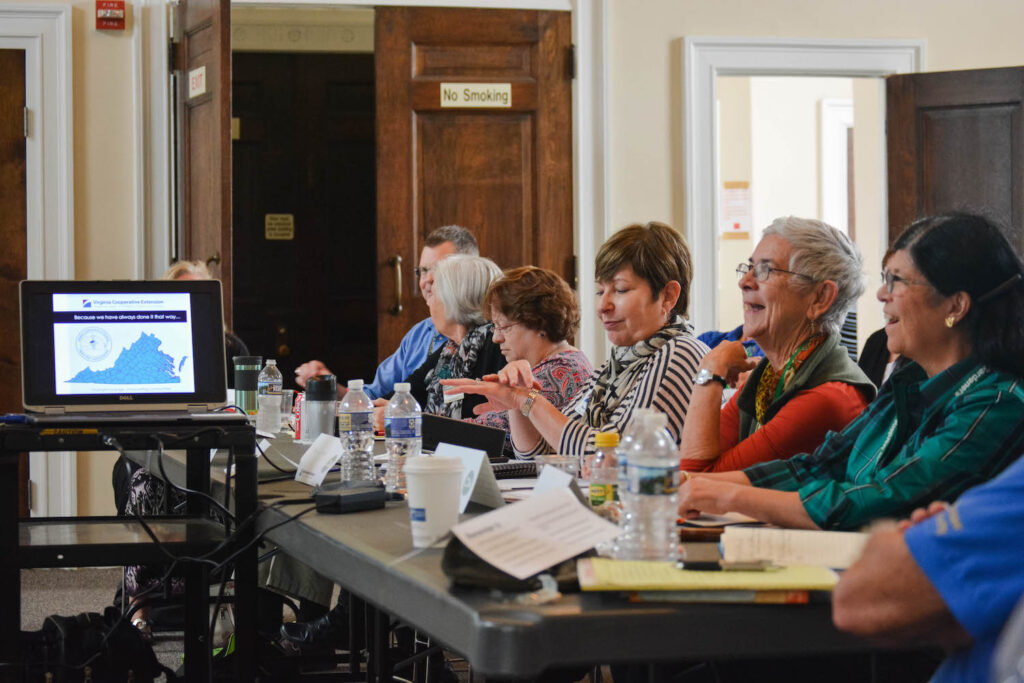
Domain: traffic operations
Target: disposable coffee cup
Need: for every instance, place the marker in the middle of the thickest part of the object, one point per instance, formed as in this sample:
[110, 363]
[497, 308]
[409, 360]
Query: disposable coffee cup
[433, 483]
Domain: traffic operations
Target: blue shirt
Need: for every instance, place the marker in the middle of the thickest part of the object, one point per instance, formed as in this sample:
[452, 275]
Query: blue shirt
[972, 554]
[416, 345]
[713, 338]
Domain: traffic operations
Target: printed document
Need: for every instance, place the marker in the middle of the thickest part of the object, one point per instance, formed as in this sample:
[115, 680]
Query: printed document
[532, 535]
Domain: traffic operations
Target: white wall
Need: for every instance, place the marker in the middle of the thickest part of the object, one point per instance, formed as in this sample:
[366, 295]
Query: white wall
[785, 154]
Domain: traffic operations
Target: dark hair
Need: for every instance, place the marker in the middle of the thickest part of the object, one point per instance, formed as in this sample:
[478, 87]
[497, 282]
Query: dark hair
[536, 298]
[656, 252]
[462, 238]
[961, 252]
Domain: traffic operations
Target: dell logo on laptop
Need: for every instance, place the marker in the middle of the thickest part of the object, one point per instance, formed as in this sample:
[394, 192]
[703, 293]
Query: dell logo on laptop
[126, 398]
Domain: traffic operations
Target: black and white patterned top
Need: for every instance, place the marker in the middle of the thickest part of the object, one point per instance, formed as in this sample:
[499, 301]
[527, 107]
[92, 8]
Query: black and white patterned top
[664, 383]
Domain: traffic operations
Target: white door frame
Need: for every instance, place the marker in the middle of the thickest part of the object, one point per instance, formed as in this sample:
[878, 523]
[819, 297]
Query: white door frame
[44, 33]
[707, 58]
[589, 112]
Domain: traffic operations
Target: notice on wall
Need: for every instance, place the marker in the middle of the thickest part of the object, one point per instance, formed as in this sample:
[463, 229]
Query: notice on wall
[279, 226]
[476, 95]
[735, 213]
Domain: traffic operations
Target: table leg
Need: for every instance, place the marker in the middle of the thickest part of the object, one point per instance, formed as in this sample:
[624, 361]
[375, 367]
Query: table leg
[246, 574]
[10, 577]
[198, 661]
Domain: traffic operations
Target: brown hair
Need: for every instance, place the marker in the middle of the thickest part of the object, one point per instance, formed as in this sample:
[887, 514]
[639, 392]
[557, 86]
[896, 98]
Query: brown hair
[536, 298]
[656, 252]
[462, 238]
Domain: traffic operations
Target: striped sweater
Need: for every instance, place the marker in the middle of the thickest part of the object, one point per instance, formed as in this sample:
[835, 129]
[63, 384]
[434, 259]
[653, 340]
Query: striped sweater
[664, 383]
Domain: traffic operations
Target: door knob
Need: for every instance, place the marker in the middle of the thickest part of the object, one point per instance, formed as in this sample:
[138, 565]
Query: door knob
[215, 259]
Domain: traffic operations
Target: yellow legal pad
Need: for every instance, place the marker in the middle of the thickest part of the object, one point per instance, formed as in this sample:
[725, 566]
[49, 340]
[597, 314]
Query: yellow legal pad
[600, 574]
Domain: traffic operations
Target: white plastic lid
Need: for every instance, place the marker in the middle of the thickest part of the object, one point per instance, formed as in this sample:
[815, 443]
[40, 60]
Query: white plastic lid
[433, 464]
[402, 386]
[271, 361]
[354, 384]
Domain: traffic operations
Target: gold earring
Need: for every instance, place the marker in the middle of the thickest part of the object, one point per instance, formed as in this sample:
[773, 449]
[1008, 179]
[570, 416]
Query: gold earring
[950, 320]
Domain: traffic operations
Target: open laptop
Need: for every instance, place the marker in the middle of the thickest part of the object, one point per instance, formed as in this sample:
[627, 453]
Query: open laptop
[122, 350]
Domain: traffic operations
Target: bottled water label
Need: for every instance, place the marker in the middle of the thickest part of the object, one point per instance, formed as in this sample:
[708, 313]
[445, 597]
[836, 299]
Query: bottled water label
[403, 427]
[603, 493]
[268, 388]
[654, 480]
[355, 422]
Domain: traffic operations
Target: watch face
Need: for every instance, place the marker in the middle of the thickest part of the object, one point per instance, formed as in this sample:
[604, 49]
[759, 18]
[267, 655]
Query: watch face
[703, 376]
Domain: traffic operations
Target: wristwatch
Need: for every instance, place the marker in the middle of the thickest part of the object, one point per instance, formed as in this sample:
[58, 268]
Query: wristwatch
[528, 403]
[705, 376]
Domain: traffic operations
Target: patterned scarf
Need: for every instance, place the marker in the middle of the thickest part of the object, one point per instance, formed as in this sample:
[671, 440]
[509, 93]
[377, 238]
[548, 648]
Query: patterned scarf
[617, 376]
[768, 386]
[455, 361]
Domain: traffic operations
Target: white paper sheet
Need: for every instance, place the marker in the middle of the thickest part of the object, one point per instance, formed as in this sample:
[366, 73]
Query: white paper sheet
[534, 534]
[318, 459]
[552, 478]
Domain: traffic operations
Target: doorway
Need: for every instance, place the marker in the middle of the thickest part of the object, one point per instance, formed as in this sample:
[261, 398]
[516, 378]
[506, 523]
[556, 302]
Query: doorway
[787, 146]
[505, 172]
[707, 59]
[304, 209]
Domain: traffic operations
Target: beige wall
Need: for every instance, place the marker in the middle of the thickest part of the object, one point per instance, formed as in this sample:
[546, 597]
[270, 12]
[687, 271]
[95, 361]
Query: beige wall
[645, 98]
[735, 149]
[104, 185]
[103, 149]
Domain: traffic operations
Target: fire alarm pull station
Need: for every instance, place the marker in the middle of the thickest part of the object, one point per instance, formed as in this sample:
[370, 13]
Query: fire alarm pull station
[110, 15]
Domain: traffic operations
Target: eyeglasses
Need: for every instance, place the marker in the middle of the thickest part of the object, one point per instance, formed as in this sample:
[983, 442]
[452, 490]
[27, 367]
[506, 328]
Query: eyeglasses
[763, 270]
[890, 279]
[503, 329]
[420, 271]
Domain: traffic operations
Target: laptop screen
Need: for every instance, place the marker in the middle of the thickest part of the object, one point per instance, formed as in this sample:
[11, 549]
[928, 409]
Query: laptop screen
[96, 346]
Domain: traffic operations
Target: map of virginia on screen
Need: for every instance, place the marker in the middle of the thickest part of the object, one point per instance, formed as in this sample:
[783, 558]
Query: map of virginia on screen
[122, 343]
[141, 363]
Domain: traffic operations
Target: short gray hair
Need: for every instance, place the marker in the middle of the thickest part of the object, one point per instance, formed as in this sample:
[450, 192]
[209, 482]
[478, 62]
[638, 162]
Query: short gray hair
[823, 253]
[196, 269]
[461, 281]
[462, 238]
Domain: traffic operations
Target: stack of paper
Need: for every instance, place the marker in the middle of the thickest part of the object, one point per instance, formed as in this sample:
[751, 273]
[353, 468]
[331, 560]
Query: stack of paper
[836, 549]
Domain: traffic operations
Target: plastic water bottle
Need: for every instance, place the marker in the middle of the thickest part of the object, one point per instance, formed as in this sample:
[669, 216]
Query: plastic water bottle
[270, 380]
[355, 429]
[604, 473]
[403, 435]
[651, 492]
[626, 506]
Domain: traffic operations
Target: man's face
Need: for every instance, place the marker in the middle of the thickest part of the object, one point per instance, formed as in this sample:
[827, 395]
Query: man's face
[428, 259]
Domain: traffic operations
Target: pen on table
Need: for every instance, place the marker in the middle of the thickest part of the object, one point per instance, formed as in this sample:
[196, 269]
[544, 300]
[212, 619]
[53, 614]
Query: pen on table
[722, 565]
[13, 418]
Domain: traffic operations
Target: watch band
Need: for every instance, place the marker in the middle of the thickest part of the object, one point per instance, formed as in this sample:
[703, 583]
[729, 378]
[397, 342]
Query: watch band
[528, 403]
[705, 376]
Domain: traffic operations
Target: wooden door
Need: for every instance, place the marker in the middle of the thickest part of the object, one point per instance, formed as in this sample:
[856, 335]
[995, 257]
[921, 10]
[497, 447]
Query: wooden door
[505, 172]
[14, 236]
[203, 61]
[304, 154]
[956, 142]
